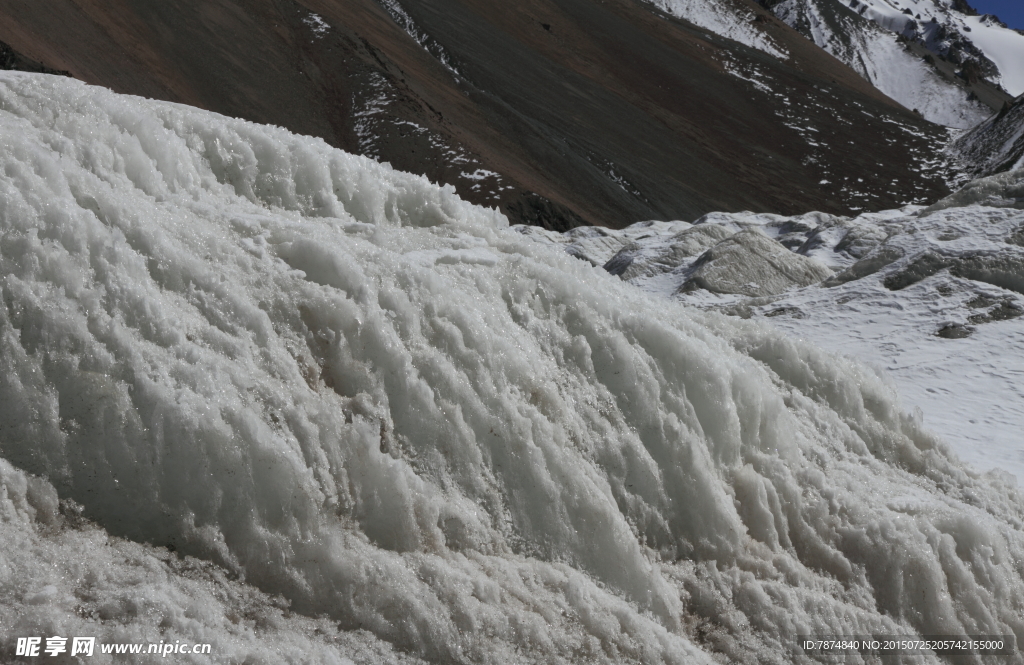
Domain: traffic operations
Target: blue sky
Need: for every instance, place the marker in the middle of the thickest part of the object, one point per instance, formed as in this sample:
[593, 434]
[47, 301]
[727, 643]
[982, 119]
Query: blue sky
[1010, 11]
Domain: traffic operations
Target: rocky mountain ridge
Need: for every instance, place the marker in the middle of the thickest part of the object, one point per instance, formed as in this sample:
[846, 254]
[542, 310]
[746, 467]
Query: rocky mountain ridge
[937, 56]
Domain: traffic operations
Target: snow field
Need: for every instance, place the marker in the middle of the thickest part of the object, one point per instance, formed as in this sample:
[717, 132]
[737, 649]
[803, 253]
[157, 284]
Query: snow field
[352, 389]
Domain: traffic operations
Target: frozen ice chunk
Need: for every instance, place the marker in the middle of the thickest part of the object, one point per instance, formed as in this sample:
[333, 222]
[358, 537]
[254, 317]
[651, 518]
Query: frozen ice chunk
[752, 264]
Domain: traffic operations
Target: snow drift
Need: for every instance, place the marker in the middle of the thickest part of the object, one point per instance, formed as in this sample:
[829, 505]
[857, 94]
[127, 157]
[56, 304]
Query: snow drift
[353, 390]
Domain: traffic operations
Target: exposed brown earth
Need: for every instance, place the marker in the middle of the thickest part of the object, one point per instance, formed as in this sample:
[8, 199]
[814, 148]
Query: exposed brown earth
[563, 111]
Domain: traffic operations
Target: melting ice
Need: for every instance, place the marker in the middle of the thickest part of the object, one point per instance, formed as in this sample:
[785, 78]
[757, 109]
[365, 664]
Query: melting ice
[338, 389]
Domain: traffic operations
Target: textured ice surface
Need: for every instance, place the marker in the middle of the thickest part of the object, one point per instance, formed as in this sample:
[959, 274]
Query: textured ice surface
[60, 575]
[932, 295]
[355, 391]
[1003, 190]
[751, 263]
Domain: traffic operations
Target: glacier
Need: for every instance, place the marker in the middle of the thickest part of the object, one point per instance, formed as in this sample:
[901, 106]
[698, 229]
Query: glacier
[261, 393]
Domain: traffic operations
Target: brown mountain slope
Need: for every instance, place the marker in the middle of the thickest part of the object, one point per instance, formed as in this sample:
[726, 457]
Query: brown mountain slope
[559, 111]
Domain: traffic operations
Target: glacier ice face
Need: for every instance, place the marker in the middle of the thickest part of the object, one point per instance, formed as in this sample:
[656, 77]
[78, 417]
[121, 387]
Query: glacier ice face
[1003, 190]
[359, 392]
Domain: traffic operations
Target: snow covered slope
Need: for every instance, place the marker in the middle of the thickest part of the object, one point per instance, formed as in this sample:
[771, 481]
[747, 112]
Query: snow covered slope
[872, 36]
[358, 392]
[962, 36]
[933, 296]
[881, 58]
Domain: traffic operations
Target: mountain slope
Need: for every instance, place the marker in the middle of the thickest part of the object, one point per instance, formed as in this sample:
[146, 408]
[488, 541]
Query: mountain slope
[929, 56]
[735, 19]
[888, 62]
[560, 112]
[952, 28]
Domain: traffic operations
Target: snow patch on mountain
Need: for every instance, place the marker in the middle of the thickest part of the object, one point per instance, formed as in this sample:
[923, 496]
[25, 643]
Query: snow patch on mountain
[1001, 45]
[944, 29]
[980, 45]
[363, 394]
[400, 16]
[726, 19]
[317, 24]
[877, 55]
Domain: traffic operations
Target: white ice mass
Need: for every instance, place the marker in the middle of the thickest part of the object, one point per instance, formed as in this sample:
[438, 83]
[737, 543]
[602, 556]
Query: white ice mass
[338, 389]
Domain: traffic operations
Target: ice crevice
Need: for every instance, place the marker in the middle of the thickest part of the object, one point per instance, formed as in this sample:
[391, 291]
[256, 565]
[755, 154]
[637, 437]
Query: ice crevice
[350, 389]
